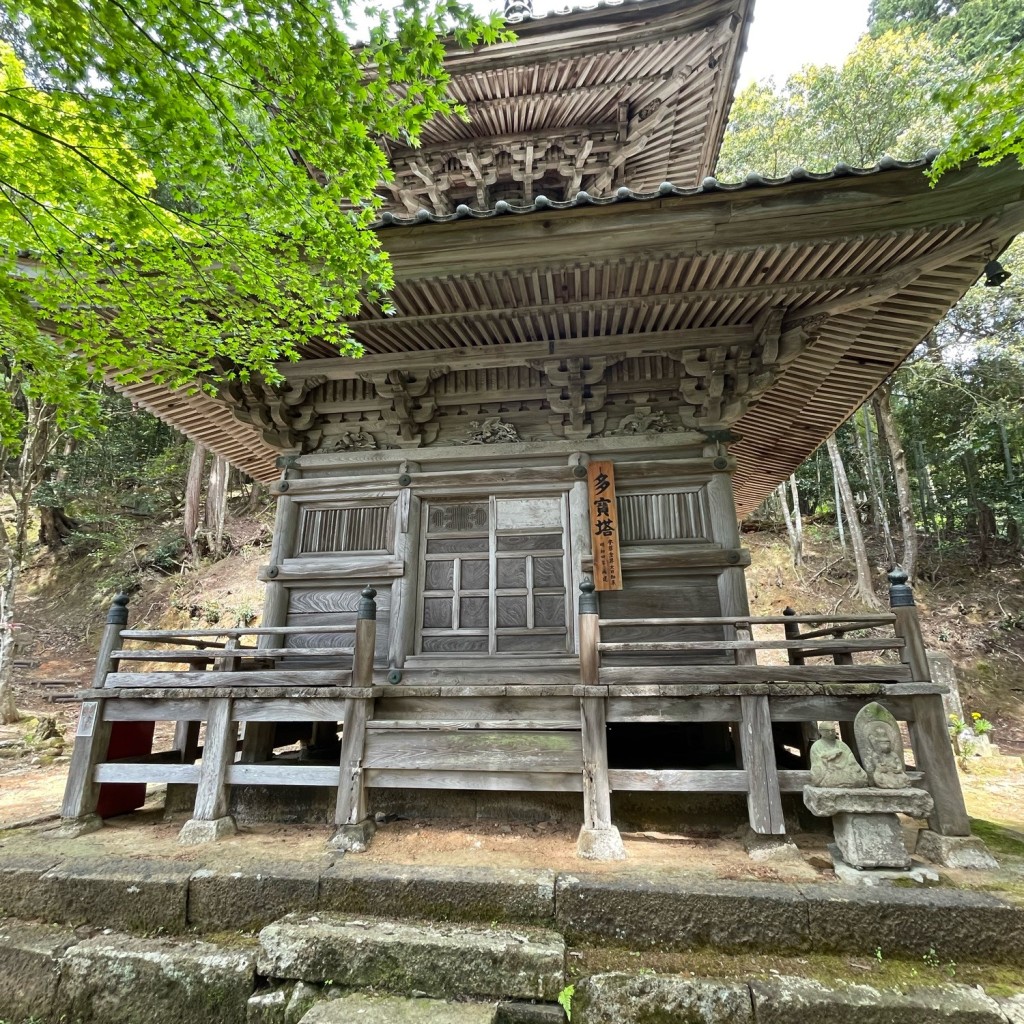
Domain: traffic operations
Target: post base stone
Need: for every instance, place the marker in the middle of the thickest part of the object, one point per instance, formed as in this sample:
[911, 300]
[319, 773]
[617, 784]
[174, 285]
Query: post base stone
[871, 840]
[849, 875]
[353, 838]
[196, 832]
[964, 852]
[72, 828]
[600, 844]
[769, 848]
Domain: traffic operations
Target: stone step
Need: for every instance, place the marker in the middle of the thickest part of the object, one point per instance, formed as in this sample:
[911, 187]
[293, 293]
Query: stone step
[437, 960]
[364, 1009]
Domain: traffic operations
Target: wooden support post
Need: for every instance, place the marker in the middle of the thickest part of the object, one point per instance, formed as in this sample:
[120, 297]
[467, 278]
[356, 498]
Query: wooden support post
[210, 819]
[929, 732]
[599, 839]
[808, 730]
[186, 734]
[764, 801]
[92, 738]
[355, 827]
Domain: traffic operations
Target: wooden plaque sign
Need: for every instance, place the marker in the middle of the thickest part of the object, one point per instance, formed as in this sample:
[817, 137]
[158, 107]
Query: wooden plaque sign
[604, 526]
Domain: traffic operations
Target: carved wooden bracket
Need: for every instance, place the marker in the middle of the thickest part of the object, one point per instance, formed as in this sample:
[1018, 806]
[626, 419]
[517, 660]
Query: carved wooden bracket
[410, 409]
[281, 412]
[576, 393]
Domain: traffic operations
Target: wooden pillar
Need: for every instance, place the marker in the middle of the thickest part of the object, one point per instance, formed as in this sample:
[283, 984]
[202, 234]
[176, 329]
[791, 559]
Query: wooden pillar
[210, 819]
[757, 747]
[355, 827]
[599, 839]
[92, 737]
[929, 732]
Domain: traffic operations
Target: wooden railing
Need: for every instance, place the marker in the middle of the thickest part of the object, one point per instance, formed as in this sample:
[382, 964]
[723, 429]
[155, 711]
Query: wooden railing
[226, 683]
[750, 696]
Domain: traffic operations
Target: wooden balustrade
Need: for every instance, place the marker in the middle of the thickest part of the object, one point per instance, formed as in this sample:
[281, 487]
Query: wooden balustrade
[210, 676]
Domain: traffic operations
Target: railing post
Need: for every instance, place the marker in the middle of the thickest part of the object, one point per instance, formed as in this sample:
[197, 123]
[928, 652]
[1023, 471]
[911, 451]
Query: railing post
[929, 733]
[599, 839]
[92, 737]
[355, 827]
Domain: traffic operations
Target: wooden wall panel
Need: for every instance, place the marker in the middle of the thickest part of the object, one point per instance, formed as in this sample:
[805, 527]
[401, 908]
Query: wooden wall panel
[335, 605]
[474, 750]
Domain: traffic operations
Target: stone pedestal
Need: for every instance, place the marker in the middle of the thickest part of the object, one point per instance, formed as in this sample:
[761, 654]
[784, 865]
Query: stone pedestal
[197, 831]
[867, 830]
[600, 844]
[353, 838]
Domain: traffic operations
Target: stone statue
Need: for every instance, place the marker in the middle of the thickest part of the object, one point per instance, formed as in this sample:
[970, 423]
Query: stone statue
[881, 747]
[833, 765]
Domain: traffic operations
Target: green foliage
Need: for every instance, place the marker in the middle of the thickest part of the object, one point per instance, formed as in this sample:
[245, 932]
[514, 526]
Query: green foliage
[565, 1000]
[188, 197]
[974, 28]
[877, 103]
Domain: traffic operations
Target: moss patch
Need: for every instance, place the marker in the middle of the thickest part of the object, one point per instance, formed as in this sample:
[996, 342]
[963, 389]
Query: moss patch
[1001, 841]
[879, 970]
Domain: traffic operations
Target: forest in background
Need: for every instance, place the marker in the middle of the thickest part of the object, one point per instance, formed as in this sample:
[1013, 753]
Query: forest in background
[928, 473]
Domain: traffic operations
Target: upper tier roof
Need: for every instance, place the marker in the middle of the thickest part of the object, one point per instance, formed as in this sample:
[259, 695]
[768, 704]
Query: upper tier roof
[630, 93]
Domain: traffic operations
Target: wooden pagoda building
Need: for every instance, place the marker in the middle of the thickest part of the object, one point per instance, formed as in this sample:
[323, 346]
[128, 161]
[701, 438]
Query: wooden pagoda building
[601, 357]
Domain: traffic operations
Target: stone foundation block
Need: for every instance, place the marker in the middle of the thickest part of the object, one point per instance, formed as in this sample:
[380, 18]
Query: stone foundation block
[129, 895]
[195, 832]
[268, 1005]
[353, 838]
[20, 892]
[116, 979]
[30, 957]
[248, 900]
[438, 893]
[390, 1010]
[964, 852]
[640, 914]
[654, 999]
[976, 926]
[1013, 1008]
[801, 1001]
[394, 956]
[72, 828]
[600, 844]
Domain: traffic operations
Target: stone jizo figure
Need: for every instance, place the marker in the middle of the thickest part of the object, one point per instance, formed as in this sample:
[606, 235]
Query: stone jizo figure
[833, 765]
[881, 747]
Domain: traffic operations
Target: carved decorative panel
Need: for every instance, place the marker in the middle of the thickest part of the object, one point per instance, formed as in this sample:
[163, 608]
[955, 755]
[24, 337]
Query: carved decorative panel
[345, 530]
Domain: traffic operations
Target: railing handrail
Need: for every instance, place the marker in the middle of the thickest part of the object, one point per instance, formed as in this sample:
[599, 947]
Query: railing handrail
[173, 635]
[881, 619]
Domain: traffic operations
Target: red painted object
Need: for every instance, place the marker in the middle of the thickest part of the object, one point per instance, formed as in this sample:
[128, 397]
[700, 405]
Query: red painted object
[127, 739]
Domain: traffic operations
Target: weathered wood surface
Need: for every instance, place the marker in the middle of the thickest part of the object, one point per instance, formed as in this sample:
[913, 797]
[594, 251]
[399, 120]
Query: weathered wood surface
[704, 780]
[511, 781]
[282, 709]
[839, 709]
[807, 648]
[218, 751]
[597, 808]
[191, 634]
[764, 804]
[128, 710]
[351, 803]
[340, 567]
[490, 751]
[559, 712]
[282, 774]
[673, 556]
[149, 773]
[756, 674]
[92, 737]
[933, 754]
[198, 680]
[853, 621]
[673, 709]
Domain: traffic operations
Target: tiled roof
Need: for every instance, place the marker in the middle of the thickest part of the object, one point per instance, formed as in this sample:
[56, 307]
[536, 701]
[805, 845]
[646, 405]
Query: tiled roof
[665, 190]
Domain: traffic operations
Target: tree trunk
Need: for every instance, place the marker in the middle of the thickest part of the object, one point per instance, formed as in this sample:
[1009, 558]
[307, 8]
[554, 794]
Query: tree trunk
[887, 424]
[193, 492]
[864, 589]
[875, 488]
[798, 522]
[217, 503]
[55, 526]
[1007, 455]
[794, 544]
[839, 509]
[21, 477]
